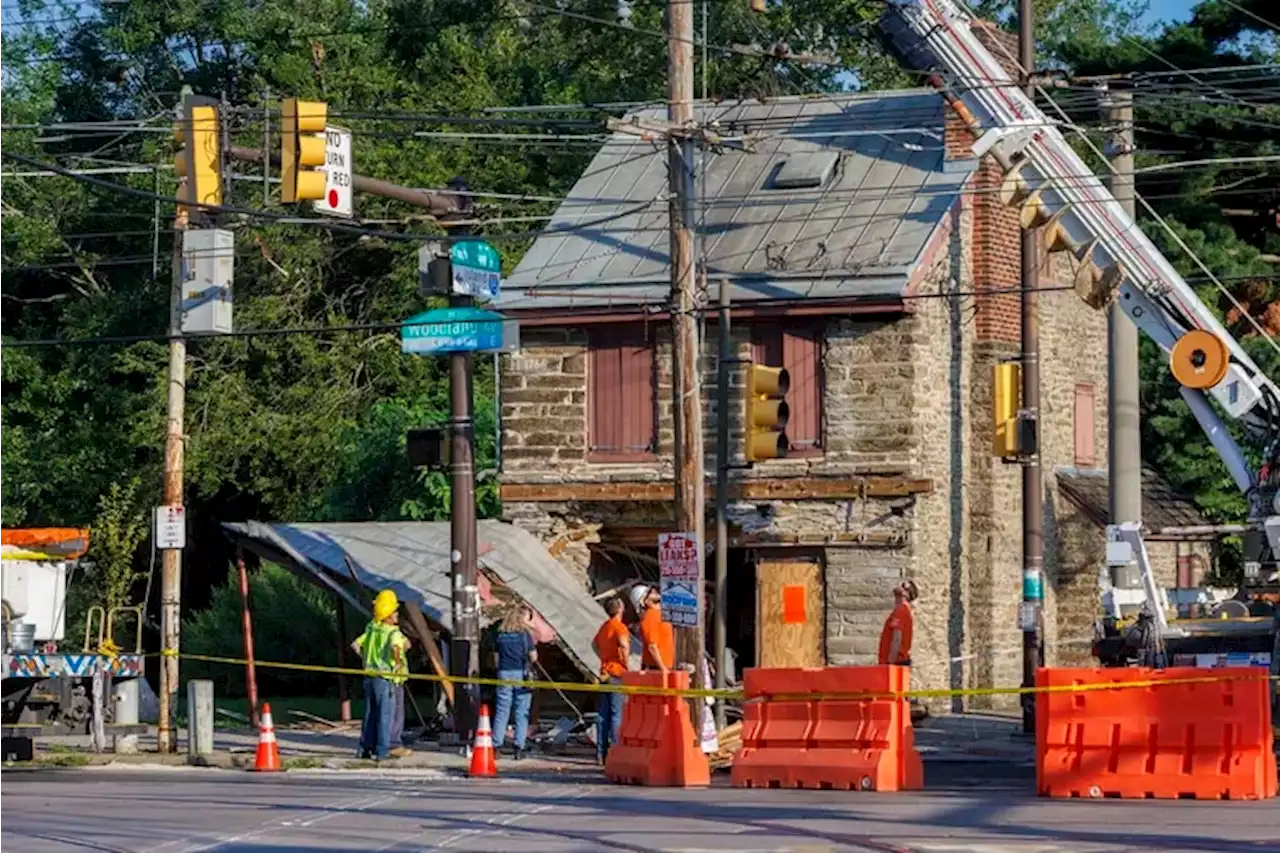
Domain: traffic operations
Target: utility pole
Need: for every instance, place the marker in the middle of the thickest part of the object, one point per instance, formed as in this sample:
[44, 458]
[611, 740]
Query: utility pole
[171, 558]
[1124, 440]
[1031, 615]
[686, 392]
[723, 364]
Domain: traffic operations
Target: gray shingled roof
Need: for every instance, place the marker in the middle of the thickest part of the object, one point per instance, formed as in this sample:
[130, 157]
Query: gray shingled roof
[413, 559]
[1163, 506]
[859, 234]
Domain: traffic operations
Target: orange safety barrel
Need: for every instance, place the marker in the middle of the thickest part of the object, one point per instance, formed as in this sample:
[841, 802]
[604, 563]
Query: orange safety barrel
[43, 543]
[1179, 733]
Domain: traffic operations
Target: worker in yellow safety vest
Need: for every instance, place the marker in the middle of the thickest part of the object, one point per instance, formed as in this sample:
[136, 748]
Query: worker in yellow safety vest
[382, 649]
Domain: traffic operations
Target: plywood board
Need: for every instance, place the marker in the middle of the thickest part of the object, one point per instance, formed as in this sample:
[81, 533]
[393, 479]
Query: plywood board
[789, 614]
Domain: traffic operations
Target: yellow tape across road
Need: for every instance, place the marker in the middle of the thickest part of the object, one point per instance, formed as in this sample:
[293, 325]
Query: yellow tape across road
[731, 693]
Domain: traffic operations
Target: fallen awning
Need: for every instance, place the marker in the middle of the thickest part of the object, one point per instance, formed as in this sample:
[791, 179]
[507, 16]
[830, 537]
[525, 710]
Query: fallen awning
[412, 558]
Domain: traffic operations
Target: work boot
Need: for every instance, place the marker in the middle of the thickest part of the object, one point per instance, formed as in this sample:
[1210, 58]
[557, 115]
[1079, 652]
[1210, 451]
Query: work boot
[519, 753]
[401, 752]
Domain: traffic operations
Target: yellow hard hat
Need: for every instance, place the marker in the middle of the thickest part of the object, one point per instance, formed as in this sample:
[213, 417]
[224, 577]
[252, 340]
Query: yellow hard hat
[384, 605]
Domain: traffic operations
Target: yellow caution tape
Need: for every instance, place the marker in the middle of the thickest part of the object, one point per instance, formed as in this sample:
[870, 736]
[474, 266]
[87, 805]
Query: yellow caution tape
[728, 693]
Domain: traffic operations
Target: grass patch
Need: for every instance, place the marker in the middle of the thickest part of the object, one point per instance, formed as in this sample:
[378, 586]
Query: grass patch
[302, 763]
[64, 759]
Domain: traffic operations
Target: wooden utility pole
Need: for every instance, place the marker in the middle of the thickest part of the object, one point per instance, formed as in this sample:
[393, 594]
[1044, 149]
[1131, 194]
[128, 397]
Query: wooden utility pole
[1124, 441]
[685, 384]
[171, 558]
[1030, 615]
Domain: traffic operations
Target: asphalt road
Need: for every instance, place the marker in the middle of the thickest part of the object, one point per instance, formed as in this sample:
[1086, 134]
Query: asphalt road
[970, 808]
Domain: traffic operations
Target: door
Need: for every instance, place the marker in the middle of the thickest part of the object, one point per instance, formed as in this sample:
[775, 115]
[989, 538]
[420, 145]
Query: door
[789, 614]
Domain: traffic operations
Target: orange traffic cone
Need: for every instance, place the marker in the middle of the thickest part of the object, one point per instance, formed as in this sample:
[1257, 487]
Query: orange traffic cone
[268, 750]
[483, 762]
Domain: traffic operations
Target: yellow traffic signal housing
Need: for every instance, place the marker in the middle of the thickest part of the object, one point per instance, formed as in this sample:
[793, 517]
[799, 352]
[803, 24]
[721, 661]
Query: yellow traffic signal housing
[199, 158]
[767, 413]
[302, 150]
[1006, 395]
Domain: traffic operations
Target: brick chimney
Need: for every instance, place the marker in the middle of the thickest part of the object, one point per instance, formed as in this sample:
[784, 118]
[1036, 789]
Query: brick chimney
[996, 233]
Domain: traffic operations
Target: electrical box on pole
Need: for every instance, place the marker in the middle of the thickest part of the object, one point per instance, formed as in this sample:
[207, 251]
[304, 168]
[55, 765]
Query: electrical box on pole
[302, 150]
[767, 413]
[199, 157]
[208, 272]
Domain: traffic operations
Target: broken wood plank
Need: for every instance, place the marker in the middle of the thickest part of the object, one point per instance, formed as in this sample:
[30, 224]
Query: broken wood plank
[427, 640]
[315, 718]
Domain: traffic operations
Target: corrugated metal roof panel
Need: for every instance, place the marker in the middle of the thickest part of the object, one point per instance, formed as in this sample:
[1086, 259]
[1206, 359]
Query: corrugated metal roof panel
[864, 227]
[413, 559]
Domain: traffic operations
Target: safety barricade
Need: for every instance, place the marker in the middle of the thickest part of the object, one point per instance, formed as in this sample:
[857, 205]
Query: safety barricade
[837, 727]
[1206, 735]
[656, 743]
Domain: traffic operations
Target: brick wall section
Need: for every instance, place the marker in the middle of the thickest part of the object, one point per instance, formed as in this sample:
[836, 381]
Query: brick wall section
[996, 258]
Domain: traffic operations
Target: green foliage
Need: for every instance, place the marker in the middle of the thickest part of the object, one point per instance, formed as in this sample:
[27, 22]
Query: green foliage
[293, 621]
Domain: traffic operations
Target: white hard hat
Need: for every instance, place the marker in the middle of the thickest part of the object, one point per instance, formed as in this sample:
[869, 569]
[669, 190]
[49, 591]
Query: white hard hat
[639, 593]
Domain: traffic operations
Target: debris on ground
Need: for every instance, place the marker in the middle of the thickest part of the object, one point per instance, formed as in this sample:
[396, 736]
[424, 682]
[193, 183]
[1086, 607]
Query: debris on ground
[729, 741]
[235, 715]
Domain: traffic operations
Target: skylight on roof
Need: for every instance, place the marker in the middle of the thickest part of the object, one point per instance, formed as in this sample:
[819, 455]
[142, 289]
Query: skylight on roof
[805, 171]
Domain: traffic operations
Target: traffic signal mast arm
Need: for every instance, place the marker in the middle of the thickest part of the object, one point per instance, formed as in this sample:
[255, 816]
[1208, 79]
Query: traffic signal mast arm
[1055, 190]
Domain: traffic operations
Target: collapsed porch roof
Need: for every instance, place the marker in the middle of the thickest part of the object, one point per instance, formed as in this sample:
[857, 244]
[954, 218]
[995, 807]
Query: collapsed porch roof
[412, 558]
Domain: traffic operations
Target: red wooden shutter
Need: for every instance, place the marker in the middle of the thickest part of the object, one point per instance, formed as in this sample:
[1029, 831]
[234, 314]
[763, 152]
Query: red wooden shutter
[1085, 456]
[622, 418]
[801, 352]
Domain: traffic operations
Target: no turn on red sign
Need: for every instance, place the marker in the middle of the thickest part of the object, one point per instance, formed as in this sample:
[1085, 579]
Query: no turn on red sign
[338, 194]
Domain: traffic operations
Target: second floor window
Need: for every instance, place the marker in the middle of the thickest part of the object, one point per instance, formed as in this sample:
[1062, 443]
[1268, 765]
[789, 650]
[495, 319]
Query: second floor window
[621, 412]
[799, 350]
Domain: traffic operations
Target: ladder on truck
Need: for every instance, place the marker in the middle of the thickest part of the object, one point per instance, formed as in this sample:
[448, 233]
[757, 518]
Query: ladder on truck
[1055, 190]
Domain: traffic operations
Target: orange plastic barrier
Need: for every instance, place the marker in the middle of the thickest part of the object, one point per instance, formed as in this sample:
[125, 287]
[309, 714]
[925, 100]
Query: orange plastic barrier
[1207, 740]
[795, 734]
[656, 745]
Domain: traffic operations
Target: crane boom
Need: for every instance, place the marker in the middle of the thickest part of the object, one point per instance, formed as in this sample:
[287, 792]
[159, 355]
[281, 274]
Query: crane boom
[1057, 191]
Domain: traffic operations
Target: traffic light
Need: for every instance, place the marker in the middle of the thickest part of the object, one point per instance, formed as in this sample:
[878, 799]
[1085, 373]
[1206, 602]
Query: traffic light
[302, 150]
[1005, 393]
[767, 413]
[199, 158]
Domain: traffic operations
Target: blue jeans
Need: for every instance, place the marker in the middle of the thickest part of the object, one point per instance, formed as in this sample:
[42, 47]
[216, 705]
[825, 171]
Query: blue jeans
[522, 697]
[397, 716]
[609, 720]
[379, 708]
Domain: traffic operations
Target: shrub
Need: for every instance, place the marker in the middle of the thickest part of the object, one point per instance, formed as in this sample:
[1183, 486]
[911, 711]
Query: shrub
[293, 622]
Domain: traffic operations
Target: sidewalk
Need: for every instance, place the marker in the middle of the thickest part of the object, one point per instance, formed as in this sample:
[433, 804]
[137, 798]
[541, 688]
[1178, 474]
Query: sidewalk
[955, 738]
[974, 737]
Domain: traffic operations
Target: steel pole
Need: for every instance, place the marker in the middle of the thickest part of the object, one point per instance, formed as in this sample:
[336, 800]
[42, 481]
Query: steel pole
[464, 650]
[723, 364]
[1031, 615]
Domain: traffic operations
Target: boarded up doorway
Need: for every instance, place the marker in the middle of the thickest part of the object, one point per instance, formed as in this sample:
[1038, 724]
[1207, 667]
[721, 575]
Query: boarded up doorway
[789, 613]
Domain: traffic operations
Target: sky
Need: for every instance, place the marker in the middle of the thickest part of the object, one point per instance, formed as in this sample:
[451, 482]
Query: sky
[1168, 10]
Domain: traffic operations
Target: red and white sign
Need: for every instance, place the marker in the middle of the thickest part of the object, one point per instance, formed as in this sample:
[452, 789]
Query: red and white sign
[337, 199]
[679, 561]
[171, 528]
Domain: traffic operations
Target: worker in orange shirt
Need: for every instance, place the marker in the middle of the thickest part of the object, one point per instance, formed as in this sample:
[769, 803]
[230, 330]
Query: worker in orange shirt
[613, 643]
[895, 638]
[655, 635]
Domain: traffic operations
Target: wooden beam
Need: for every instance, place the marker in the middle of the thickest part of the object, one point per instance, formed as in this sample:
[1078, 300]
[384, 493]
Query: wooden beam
[793, 489]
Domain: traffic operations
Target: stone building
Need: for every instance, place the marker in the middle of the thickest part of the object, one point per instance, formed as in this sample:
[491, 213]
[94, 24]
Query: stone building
[867, 252]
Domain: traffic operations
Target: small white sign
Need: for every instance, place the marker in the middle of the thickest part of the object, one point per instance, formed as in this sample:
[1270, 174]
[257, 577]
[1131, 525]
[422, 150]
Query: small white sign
[171, 528]
[679, 561]
[337, 173]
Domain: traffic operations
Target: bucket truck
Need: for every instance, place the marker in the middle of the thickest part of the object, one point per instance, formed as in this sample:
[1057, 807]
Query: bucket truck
[47, 688]
[1055, 190]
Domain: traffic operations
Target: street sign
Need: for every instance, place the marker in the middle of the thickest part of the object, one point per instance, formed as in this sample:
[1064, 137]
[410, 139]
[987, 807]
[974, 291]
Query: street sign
[337, 176]
[477, 270]
[445, 330]
[678, 562]
[171, 528]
